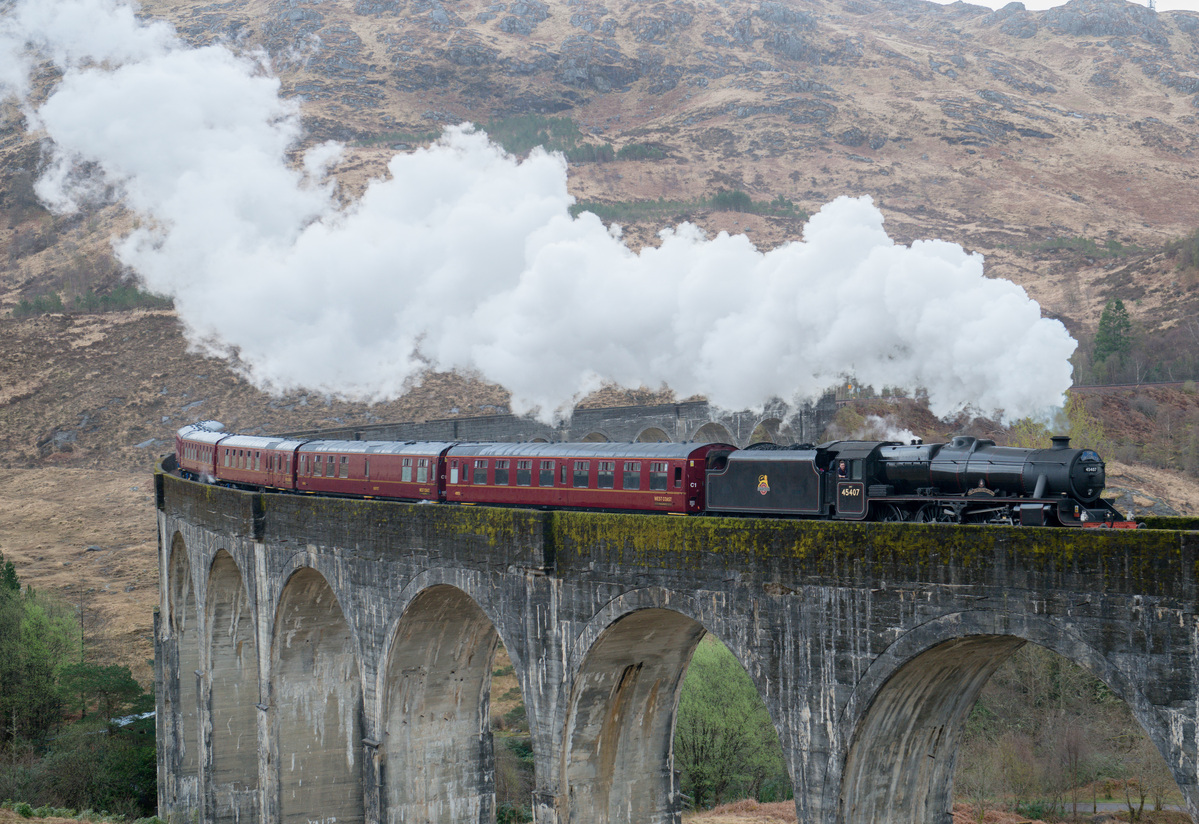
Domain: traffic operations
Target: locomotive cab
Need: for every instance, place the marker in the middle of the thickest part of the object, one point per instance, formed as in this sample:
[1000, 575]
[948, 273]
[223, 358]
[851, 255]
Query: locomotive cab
[855, 476]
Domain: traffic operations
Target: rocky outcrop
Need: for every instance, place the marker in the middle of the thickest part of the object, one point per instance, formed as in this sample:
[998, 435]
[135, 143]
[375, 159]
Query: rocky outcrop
[1107, 18]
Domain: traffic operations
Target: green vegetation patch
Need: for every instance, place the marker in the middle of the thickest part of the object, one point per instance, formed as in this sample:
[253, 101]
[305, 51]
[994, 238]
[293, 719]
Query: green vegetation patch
[722, 201]
[61, 741]
[120, 299]
[725, 745]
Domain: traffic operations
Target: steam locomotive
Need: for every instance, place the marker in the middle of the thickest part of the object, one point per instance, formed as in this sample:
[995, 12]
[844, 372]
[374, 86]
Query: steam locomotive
[967, 480]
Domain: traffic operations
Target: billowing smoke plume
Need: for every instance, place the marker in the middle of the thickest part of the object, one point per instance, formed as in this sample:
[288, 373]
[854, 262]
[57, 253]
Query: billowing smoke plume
[466, 258]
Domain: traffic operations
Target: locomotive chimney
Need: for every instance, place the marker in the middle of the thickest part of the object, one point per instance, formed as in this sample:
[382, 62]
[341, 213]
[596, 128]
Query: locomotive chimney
[1061, 441]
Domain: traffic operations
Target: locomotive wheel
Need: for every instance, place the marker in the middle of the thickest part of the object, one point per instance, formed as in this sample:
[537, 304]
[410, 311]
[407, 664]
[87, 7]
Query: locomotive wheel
[936, 514]
[891, 512]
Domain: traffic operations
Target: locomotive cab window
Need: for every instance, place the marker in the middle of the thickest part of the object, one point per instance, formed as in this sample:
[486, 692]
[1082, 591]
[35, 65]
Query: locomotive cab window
[524, 473]
[501, 473]
[582, 473]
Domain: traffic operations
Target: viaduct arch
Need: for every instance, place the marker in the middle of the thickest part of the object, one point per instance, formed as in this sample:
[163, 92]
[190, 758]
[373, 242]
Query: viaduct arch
[333, 656]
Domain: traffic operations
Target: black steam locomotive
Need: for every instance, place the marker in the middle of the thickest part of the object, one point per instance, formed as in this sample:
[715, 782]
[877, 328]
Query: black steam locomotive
[967, 480]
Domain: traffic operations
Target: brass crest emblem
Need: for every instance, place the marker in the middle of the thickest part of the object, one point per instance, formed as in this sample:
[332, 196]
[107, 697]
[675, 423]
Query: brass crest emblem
[763, 485]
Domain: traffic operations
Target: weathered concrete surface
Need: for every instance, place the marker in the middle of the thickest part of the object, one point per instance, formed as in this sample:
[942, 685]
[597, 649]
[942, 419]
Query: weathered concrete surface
[372, 628]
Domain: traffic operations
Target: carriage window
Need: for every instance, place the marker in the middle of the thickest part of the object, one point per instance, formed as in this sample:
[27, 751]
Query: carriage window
[501, 473]
[632, 475]
[453, 472]
[366, 469]
[563, 473]
[678, 476]
[546, 477]
[480, 472]
[303, 464]
[524, 473]
[331, 467]
[406, 471]
[582, 472]
[241, 459]
[422, 470]
[345, 466]
[257, 461]
[657, 475]
[606, 474]
[226, 457]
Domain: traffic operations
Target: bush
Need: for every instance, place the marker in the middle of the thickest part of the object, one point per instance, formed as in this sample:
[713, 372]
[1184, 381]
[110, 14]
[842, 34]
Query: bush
[640, 151]
[732, 201]
[119, 299]
[23, 809]
[1185, 251]
[40, 305]
[512, 814]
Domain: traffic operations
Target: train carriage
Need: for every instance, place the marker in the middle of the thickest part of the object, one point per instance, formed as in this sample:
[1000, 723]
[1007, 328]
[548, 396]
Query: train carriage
[255, 460]
[196, 450]
[385, 469]
[647, 477]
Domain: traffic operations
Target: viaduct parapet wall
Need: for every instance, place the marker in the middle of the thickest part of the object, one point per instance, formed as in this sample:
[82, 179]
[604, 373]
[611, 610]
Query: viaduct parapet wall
[329, 660]
[675, 422]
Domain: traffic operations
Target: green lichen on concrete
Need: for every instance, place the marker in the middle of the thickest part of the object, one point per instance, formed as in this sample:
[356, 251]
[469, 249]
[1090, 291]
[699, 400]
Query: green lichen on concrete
[1146, 560]
[498, 526]
[1176, 523]
[1149, 560]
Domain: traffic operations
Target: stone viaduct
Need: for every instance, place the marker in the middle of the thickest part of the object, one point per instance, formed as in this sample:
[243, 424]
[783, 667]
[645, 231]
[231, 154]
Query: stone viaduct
[328, 660]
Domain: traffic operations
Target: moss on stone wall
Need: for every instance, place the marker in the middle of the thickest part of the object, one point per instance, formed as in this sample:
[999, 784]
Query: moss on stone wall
[1158, 560]
[1144, 560]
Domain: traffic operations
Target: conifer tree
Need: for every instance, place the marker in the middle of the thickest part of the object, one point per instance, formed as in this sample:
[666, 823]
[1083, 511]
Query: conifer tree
[1114, 336]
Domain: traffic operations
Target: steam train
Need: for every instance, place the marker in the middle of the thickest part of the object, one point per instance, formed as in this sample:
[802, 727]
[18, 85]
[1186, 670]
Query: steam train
[967, 480]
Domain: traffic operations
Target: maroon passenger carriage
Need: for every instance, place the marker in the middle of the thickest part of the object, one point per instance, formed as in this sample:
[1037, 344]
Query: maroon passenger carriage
[646, 477]
[386, 469]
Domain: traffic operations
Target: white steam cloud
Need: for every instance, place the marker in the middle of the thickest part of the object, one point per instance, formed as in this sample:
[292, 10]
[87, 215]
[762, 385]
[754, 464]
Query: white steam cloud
[466, 258]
